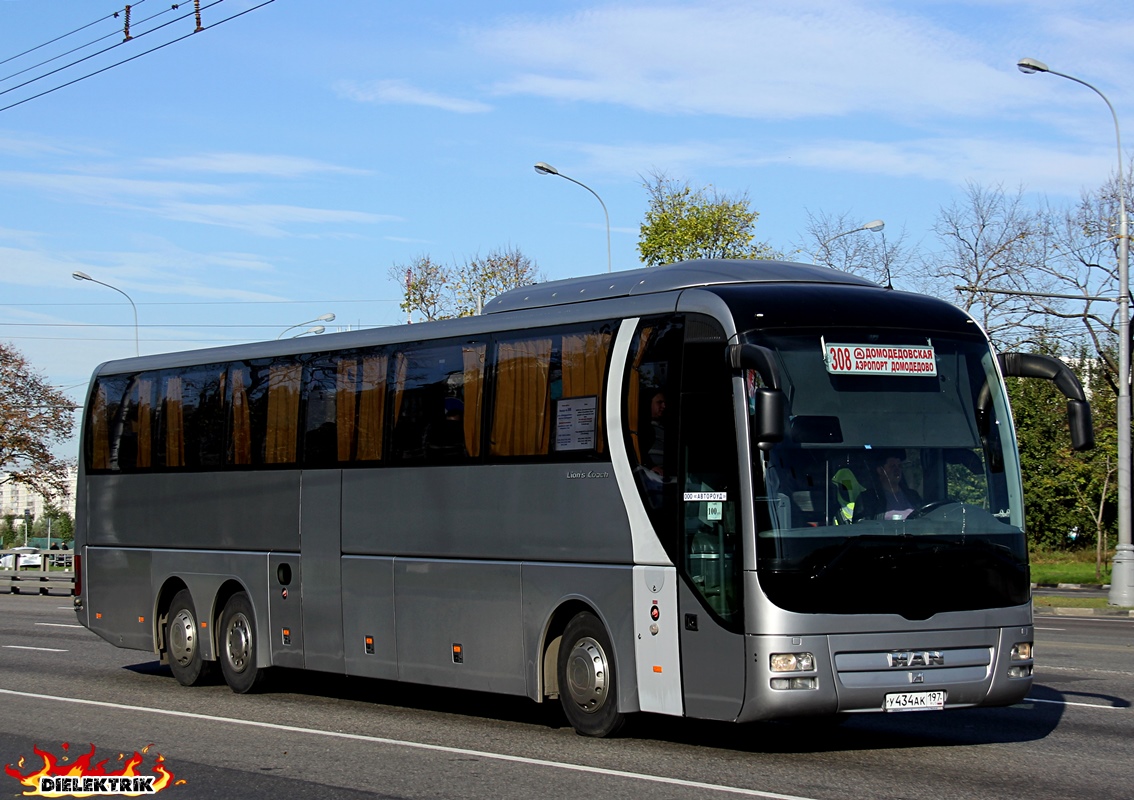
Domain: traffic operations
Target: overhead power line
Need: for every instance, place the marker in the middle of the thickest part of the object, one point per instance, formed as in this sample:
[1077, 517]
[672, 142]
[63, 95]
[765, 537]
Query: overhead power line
[198, 29]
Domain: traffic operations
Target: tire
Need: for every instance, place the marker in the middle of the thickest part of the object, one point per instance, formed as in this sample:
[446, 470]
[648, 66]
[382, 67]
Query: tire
[183, 642]
[587, 678]
[237, 645]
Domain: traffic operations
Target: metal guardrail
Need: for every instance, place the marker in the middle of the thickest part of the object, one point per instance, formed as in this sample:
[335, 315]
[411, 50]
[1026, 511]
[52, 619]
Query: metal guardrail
[37, 571]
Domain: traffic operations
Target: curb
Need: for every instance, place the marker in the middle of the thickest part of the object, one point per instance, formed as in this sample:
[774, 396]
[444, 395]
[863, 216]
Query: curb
[1070, 585]
[1121, 613]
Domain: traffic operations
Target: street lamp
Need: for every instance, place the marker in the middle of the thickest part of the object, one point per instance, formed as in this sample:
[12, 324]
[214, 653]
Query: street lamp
[314, 331]
[1122, 573]
[874, 226]
[323, 318]
[546, 169]
[82, 276]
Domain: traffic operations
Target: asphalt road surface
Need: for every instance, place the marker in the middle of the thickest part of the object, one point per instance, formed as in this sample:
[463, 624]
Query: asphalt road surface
[320, 736]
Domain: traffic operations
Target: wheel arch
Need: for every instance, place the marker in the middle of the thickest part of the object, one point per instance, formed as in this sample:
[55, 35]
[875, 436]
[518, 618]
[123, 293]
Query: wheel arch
[553, 638]
[162, 601]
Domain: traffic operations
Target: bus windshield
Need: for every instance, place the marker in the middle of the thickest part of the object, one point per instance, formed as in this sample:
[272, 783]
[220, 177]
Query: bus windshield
[896, 487]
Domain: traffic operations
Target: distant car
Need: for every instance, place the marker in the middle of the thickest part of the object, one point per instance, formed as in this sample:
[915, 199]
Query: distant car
[26, 556]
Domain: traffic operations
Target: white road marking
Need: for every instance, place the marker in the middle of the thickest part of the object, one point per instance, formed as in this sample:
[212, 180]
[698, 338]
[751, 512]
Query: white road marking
[58, 625]
[1068, 703]
[43, 649]
[535, 762]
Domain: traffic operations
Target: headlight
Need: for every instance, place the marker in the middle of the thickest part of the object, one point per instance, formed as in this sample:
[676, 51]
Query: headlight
[792, 662]
[1022, 651]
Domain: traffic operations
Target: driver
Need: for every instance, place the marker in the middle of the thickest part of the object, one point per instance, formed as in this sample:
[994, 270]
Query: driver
[890, 497]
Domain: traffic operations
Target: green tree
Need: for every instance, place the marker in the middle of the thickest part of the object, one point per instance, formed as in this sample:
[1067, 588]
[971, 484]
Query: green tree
[684, 223]
[34, 418]
[1064, 491]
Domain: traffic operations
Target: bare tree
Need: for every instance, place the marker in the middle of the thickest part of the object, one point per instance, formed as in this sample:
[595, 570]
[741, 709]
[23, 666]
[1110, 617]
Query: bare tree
[993, 241]
[1082, 263]
[439, 291]
[479, 279]
[839, 242]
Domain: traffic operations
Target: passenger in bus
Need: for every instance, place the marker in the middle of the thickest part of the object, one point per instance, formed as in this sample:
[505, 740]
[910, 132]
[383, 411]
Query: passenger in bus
[654, 457]
[890, 497]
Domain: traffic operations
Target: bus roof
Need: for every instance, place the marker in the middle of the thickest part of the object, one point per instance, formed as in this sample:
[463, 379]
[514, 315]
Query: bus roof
[683, 275]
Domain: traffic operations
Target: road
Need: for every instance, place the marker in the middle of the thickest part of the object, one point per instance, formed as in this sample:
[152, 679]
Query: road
[318, 736]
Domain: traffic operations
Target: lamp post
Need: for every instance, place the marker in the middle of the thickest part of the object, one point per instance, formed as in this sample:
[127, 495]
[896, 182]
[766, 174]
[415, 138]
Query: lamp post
[323, 318]
[546, 169]
[314, 331]
[874, 226]
[1122, 574]
[82, 276]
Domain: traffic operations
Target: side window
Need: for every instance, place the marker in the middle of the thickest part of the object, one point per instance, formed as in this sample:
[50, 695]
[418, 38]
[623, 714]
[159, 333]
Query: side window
[435, 403]
[263, 412]
[548, 393]
[106, 407]
[712, 554]
[346, 403]
[650, 413]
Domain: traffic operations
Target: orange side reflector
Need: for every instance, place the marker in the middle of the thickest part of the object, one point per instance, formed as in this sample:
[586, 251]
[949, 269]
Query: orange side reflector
[98, 615]
[287, 631]
[657, 668]
[370, 640]
[204, 624]
[141, 619]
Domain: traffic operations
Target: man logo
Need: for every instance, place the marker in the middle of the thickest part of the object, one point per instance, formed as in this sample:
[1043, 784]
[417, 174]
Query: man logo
[903, 659]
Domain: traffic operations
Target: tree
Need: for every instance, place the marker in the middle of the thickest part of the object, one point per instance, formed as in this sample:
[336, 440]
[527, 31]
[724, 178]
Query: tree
[425, 285]
[480, 279]
[439, 291]
[861, 253]
[34, 417]
[683, 223]
[1064, 491]
[993, 241]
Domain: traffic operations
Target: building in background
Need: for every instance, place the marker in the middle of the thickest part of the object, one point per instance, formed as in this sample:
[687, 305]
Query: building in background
[15, 498]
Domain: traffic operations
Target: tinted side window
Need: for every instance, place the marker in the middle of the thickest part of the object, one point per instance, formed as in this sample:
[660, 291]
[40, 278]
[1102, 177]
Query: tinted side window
[548, 393]
[346, 405]
[435, 404]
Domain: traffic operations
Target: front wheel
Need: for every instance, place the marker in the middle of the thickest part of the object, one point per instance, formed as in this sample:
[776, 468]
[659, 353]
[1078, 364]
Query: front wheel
[587, 678]
[238, 645]
[183, 642]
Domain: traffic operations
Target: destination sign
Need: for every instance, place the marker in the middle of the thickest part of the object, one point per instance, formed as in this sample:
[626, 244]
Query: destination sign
[872, 359]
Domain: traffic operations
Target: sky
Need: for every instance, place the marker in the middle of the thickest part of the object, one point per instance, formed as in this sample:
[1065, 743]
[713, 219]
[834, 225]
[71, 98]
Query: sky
[281, 164]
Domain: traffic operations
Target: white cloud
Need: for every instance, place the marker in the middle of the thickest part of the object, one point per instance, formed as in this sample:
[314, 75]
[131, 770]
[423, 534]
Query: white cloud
[277, 166]
[402, 93]
[266, 219]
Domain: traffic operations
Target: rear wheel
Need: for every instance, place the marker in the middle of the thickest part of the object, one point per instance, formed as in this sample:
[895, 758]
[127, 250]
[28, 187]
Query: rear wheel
[183, 642]
[587, 678]
[238, 645]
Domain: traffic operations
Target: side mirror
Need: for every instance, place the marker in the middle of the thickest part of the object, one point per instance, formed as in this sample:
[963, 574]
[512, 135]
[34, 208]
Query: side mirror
[768, 420]
[1033, 365]
[768, 416]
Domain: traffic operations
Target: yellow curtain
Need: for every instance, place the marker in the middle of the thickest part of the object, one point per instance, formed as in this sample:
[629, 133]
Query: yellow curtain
[145, 387]
[241, 419]
[100, 430]
[473, 396]
[346, 400]
[633, 393]
[584, 363]
[372, 406]
[174, 423]
[283, 413]
[520, 423]
[401, 366]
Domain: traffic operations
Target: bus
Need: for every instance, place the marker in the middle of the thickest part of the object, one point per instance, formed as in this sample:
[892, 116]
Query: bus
[721, 489]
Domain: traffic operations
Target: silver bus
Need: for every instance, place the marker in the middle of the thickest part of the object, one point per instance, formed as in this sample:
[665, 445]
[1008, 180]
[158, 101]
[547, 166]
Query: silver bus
[730, 490]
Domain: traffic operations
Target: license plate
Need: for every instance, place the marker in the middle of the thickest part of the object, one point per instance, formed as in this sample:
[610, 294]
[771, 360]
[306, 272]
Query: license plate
[914, 701]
